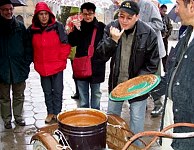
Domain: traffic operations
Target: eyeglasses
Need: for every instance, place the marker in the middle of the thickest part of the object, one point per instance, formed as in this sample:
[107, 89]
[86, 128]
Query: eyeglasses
[122, 17]
[87, 14]
[7, 9]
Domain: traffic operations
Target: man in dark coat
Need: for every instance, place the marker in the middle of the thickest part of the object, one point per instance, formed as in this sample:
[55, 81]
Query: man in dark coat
[166, 32]
[133, 48]
[15, 59]
[81, 37]
[177, 84]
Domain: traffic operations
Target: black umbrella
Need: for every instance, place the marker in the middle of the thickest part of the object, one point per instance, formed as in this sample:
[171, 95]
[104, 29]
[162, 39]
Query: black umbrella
[173, 16]
[14, 2]
[18, 3]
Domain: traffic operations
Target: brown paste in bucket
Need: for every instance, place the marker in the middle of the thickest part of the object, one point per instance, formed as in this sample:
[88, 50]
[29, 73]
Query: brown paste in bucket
[81, 120]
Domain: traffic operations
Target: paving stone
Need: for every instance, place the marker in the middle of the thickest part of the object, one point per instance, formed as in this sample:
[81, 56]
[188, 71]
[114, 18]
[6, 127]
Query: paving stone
[40, 115]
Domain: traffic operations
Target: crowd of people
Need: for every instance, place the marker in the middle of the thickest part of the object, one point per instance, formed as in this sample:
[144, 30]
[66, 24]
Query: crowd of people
[135, 42]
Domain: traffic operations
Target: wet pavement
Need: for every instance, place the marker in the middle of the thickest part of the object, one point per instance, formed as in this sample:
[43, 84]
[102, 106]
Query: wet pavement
[34, 112]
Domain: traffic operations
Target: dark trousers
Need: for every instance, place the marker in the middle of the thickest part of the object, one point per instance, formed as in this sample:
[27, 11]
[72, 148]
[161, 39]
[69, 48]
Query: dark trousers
[165, 40]
[16, 103]
[53, 91]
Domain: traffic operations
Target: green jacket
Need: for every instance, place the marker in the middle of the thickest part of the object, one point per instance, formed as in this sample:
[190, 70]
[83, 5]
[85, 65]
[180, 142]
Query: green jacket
[15, 51]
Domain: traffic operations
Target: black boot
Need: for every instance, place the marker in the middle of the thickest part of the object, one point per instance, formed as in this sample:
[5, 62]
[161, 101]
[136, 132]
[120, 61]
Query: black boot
[8, 125]
[75, 96]
[20, 122]
[158, 108]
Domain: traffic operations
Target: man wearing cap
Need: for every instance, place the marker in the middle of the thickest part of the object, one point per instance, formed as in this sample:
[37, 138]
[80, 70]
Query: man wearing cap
[132, 46]
[15, 59]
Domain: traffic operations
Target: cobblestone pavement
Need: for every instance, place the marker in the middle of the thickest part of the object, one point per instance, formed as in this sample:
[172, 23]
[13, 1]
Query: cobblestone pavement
[19, 138]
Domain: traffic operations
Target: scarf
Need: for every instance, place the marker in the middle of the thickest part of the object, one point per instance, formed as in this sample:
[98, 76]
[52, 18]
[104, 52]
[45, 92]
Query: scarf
[7, 25]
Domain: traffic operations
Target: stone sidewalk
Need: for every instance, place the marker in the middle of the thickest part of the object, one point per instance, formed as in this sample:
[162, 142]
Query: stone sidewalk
[19, 138]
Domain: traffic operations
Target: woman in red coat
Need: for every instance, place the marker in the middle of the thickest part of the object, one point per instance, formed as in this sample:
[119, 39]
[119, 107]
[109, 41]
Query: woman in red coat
[50, 56]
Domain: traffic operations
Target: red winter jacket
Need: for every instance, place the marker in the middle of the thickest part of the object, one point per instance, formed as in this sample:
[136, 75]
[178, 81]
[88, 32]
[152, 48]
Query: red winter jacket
[50, 49]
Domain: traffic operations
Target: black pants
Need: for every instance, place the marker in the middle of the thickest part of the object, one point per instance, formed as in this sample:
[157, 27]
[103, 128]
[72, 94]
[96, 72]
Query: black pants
[165, 40]
[15, 103]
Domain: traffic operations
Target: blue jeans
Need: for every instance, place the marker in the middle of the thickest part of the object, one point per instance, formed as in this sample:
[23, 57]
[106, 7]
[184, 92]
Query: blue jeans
[137, 114]
[85, 101]
[53, 91]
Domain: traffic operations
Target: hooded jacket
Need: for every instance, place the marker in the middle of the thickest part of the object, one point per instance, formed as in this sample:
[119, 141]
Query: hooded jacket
[49, 44]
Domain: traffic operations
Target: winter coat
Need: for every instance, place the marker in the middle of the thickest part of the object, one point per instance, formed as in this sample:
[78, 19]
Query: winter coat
[15, 51]
[82, 40]
[144, 57]
[49, 45]
[182, 91]
[166, 32]
[150, 14]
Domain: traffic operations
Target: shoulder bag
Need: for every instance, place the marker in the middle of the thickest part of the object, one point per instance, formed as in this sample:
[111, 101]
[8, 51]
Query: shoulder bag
[82, 67]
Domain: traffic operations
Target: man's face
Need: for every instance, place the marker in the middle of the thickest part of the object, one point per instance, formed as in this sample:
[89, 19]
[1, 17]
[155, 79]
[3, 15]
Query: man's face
[163, 11]
[43, 16]
[127, 21]
[185, 12]
[6, 11]
[88, 15]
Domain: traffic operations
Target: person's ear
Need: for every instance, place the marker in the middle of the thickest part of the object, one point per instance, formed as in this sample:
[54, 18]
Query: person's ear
[192, 6]
[137, 17]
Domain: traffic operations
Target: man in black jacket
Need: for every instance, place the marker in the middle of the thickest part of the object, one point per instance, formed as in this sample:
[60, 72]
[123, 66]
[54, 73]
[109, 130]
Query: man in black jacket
[132, 46]
[15, 59]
